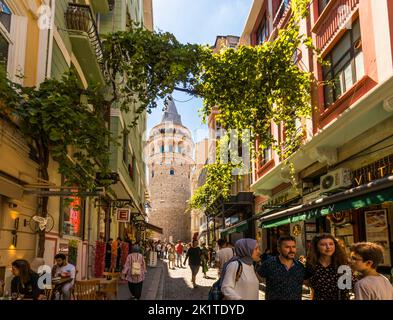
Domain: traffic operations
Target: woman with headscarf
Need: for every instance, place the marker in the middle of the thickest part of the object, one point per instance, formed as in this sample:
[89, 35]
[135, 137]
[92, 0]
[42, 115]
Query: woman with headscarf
[134, 272]
[243, 286]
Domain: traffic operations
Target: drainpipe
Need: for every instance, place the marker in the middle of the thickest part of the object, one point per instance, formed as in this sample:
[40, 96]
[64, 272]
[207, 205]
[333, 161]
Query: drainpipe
[89, 232]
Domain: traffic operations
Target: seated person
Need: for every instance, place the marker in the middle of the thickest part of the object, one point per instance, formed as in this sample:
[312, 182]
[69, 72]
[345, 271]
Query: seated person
[64, 269]
[24, 285]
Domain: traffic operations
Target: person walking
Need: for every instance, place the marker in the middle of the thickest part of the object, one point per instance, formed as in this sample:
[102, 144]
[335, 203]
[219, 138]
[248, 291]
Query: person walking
[171, 256]
[322, 263]
[365, 258]
[134, 272]
[204, 260]
[242, 284]
[194, 255]
[283, 273]
[179, 254]
[223, 255]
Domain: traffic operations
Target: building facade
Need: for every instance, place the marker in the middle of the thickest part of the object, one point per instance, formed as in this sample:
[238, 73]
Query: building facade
[343, 168]
[56, 43]
[170, 162]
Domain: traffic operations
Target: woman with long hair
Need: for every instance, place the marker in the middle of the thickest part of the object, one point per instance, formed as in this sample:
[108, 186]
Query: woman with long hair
[322, 263]
[24, 285]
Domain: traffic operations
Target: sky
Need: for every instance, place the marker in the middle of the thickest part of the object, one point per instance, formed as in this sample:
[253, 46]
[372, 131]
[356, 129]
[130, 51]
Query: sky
[196, 21]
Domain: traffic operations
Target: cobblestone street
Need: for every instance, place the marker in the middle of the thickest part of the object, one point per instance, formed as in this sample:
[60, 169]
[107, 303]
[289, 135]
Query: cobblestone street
[178, 284]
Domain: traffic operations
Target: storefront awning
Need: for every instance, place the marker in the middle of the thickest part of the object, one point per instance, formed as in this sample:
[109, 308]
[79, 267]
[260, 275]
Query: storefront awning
[373, 193]
[239, 227]
[153, 228]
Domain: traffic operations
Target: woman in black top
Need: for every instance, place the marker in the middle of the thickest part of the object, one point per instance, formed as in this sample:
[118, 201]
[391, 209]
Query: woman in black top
[194, 255]
[24, 285]
[323, 261]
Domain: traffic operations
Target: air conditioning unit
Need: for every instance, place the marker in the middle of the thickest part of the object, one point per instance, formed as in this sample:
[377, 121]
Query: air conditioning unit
[336, 180]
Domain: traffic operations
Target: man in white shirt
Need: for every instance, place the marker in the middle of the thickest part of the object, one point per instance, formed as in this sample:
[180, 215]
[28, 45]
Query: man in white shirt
[64, 270]
[223, 255]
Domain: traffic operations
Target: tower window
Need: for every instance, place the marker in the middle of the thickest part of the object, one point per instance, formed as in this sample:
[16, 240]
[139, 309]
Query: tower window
[152, 174]
[172, 172]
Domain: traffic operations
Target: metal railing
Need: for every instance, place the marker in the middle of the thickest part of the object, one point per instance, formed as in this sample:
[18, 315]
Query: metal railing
[80, 18]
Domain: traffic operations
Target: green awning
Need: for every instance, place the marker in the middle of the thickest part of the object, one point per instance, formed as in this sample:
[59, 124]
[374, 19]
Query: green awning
[356, 202]
[242, 226]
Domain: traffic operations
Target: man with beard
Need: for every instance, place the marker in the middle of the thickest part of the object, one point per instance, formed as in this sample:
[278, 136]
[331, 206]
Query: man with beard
[284, 275]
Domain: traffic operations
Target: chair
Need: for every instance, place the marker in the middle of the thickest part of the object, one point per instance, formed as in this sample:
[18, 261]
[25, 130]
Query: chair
[87, 289]
[48, 293]
[111, 288]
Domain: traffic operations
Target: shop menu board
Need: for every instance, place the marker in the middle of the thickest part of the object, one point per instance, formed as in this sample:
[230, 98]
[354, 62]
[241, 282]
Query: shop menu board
[377, 231]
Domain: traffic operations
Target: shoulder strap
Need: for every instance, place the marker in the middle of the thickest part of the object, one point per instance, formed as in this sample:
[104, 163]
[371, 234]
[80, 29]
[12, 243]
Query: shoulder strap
[239, 270]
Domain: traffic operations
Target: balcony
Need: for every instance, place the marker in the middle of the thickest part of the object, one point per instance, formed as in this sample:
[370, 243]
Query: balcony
[282, 14]
[86, 43]
[102, 6]
[332, 20]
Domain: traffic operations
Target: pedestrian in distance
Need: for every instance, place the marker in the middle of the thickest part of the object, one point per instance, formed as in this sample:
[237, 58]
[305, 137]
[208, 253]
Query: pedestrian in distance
[134, 272]
[204, 260]
[365, 258]
[239, 280]
[283, 273]
[171, 256]
[194, 255]
[179, 254]
[322, 263]
[223, 255]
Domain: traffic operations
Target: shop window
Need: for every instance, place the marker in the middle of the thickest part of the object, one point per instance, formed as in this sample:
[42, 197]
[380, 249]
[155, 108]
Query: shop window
[5, 16]
[170, 148]
[346, 65]
[262, 31]
[5, 20]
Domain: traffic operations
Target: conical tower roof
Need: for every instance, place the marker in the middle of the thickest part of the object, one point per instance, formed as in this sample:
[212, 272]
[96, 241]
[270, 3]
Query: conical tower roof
[170, 113]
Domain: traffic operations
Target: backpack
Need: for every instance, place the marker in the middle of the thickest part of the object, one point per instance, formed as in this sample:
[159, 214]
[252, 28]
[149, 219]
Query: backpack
[136, 268]
[215, 290]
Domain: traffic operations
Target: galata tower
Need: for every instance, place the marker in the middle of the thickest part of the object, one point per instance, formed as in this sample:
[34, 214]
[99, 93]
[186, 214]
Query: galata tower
[170, 161]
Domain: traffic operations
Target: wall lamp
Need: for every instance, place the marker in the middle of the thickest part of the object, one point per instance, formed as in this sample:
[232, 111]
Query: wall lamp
[12, 205]
[14, 238]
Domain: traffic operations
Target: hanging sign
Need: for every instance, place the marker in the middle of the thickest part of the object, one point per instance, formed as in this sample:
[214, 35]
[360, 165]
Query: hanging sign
[123, 215]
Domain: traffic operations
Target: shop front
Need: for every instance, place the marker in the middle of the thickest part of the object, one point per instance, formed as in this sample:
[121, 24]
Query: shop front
[362, 213]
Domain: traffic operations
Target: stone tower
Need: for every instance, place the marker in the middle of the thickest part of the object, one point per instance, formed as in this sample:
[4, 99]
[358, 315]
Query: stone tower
[170, 161]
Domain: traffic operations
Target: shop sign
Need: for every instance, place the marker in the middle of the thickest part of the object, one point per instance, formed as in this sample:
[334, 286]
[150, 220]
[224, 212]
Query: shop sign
[63, 248]
[123, 215]
[377, 231]
[376, 170]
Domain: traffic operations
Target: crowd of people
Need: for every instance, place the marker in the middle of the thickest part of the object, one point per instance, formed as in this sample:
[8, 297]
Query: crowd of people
[326, 270]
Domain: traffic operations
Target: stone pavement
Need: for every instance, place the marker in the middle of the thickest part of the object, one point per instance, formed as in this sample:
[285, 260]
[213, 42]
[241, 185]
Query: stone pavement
[153, 285]
[162, 283]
